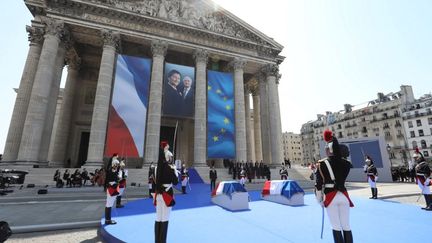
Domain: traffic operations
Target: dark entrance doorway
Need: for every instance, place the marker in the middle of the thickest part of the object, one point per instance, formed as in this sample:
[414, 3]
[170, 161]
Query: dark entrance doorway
[83, 148]
[167, 134]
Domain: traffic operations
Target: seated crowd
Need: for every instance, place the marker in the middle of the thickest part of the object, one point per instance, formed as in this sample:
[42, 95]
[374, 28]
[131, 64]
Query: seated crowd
[79, 178]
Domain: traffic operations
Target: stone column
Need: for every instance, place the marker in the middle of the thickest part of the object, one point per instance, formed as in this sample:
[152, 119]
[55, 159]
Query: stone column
[257, 125]
[239, 106]
[64, 121]
[159, 49]
[38, 106]
[272, 75]
[264, 119]
[111, 42]
[200, 123]
[13, 139]
[250, 153]
[52, 104]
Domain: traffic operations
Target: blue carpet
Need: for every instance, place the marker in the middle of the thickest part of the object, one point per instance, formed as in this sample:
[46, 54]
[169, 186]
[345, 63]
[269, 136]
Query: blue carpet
[195, 219]
[194, 177]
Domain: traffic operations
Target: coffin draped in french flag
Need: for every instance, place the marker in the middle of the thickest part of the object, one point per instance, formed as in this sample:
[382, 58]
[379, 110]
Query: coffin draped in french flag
[286, 192]
[231, 195]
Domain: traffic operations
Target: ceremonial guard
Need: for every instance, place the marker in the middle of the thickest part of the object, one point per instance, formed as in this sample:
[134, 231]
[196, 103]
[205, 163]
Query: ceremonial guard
[112, 190]
[372, 176]
[242, 176]
[213, 177]
[151, 180]
[166, 176]
[423, 174]
[122, 174]
[283, 173]
[330, 188]
[184, 178]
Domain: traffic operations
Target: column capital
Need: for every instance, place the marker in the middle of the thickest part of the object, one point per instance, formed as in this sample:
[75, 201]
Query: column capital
[270, 70]
[159, 48]
[35, 34]
[200, 55]
[73, 61]
[55, 28]
[110, 39]
[237, 63]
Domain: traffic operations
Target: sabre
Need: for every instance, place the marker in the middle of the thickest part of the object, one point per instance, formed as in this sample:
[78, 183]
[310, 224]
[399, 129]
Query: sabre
[322, 221]
[418, 198]
[175, 136]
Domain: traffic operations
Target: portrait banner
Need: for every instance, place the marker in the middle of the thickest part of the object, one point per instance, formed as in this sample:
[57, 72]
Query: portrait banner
[179, 91]
[220, 115]
[128, 109]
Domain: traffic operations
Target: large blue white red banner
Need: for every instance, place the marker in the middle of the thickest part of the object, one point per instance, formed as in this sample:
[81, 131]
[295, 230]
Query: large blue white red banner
[220, 115]
[128, 110]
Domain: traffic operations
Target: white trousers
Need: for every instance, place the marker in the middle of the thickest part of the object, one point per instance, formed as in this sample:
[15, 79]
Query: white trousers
[242, 180]
[121, 191]
[110, 200]
[425, 189]
[372, 184]
[162, 211]
[338, 212]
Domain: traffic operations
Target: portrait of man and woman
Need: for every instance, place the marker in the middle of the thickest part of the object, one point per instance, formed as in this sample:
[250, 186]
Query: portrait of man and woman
[179, 91]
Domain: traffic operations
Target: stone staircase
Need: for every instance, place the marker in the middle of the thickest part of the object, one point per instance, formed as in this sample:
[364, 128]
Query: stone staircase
[44, 176]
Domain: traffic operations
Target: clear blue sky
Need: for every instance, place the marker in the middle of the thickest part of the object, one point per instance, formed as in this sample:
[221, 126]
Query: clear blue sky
[337, 51]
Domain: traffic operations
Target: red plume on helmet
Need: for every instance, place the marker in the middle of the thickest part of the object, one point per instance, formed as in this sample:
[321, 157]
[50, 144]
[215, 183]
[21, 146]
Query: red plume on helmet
[328, 136]
[417, 150]
[163, 144]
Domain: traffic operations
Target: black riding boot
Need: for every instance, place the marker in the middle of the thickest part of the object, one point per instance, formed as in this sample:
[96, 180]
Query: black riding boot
[337, 236]
[428, 199]
[183, 189]
[157, 229]
[118, 202]
[348, 236]
[164, 231]
[108, 217]
[373, 193]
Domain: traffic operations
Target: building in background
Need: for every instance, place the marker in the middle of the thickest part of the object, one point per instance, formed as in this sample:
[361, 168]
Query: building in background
[417, 121]
[380, 117]
[292, 147]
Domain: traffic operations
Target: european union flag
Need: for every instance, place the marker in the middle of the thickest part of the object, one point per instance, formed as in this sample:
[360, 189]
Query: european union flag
[220, 115]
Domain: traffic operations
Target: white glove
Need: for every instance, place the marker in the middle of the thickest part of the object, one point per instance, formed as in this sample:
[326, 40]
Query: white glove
[365, 168]
[319, 197]
[112, 183]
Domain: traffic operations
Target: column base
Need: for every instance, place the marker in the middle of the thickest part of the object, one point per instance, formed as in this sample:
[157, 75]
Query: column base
[56, 164]
[34, 164]
[92, 164]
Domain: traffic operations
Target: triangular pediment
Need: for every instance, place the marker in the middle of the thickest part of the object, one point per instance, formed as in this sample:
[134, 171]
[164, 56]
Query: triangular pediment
[200, 14]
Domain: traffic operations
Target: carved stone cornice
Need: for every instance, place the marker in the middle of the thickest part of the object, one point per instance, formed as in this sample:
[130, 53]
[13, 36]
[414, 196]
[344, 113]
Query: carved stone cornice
[270, 70]
[110, 39]
[35, 35]
[278, 77]
[55, 28]
[134, 16]
[159, 48]
[237, 63]
[200, 55]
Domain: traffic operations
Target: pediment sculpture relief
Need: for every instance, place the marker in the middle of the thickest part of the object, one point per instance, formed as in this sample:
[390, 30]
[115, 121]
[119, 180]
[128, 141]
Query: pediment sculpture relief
[195, 13]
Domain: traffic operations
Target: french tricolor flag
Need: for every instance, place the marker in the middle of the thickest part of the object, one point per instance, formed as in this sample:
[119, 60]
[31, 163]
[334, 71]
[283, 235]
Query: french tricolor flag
[272, 187]
[128, 110]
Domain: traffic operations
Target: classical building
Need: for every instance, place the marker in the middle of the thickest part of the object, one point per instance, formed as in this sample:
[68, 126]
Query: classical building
[90, 37]
[292, 147]
[417, 121]
[379, 117]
